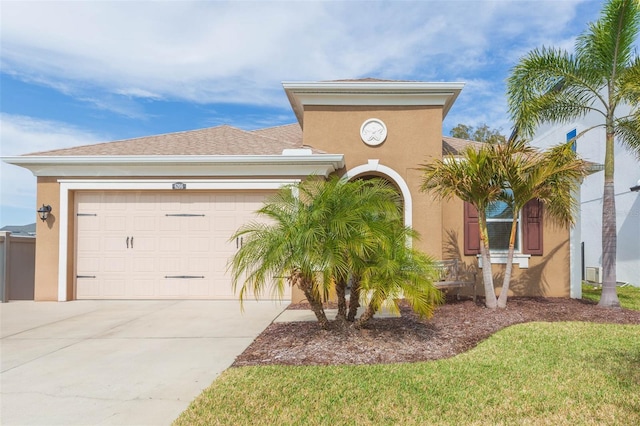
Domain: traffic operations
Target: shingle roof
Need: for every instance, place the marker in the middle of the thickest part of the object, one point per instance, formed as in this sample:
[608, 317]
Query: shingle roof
[220, 140]
[288, 132]
[455, 146]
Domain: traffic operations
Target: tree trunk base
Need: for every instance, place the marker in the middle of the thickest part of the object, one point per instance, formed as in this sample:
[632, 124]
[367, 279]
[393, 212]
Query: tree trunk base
[609, 301]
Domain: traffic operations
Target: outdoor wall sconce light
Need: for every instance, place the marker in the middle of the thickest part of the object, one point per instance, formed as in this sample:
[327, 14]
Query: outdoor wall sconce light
[44, 211]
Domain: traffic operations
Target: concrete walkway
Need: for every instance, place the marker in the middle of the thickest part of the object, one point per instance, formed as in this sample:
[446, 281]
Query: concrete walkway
[117, 362]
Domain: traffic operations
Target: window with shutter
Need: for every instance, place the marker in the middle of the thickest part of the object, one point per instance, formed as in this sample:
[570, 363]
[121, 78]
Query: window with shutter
[529, 226]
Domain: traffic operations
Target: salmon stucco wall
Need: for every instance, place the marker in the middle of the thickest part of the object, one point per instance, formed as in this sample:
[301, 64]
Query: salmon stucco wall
[547, 275]
[47, 241]
[414, 135]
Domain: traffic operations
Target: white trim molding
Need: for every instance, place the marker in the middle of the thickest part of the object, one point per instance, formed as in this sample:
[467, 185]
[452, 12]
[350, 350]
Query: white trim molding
[375, 166]
[288, 164]
[522, 260]
[367, 92]
[68, 185]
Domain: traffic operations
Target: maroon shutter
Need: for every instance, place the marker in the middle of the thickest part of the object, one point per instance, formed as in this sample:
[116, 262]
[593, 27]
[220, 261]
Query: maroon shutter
[532, 228]
[471, 230]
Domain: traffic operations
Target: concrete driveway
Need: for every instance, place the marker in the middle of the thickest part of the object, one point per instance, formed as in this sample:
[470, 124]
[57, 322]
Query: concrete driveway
[117, 362]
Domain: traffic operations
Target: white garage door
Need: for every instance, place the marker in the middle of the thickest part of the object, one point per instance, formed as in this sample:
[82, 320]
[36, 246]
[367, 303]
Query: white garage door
[158, 245]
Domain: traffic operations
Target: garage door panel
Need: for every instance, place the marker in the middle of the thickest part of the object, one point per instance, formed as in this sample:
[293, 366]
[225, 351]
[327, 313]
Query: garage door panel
[116, 201]
[198, 224]
[89, 244]
[199, 288]
[169, 223]
[143, 288]
[200, 244]
[115, 244]
[222, 289]
[225, 222]
[144, 264]
[198, 203]
[88, 288]
[145, 202]
[143, 244]
[223, 247]
[114, 264]
[114, 287]
[115, 223]
[88, 223]
[199, 264]
[174, 288]
[170, 245]
[88, 264]
[171, 265]
[224, 202]
[145, 222]
[178, 237]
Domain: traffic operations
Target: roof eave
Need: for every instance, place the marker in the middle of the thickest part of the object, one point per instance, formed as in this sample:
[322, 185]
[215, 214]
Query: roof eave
[179, 165]
[378, 93]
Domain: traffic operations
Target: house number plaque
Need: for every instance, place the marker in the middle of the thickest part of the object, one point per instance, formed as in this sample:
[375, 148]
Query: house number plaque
[179, 185]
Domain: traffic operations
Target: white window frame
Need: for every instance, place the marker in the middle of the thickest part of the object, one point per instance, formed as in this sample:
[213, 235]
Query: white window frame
[499, 256]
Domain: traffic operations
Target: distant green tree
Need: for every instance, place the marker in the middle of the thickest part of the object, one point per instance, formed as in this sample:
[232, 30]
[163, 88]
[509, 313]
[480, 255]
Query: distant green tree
[482, 133]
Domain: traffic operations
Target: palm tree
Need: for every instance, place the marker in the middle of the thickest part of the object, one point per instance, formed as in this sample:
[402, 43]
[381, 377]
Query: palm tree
[399, 272]
[473, 177]
[551, 85]
[320, 233]
[552, 176]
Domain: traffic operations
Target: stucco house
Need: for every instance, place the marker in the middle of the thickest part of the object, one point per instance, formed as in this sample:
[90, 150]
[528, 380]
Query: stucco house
[150, 218]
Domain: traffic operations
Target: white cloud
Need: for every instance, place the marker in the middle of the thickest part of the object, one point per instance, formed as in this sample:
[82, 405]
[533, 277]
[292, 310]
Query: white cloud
[240, 51]
[111, 55]
[20, 135]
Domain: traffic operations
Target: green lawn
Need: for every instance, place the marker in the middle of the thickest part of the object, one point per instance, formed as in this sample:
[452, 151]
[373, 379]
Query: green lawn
[536, 373]
[629, 296]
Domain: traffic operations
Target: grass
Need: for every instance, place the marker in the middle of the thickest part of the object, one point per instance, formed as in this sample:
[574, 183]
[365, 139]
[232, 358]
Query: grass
[536, 373]
[629, 296]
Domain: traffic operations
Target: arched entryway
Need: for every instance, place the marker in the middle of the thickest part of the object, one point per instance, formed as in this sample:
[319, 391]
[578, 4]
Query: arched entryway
[374, 169]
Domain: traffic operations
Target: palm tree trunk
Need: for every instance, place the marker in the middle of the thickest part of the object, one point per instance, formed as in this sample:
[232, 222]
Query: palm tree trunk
[341, 287]
[487, 275]
[609, 298]
[316, 305]
[354, 299]
[504, 293]
[365, 317]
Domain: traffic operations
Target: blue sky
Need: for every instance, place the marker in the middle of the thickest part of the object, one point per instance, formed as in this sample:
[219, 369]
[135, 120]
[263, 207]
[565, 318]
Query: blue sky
[75, 73]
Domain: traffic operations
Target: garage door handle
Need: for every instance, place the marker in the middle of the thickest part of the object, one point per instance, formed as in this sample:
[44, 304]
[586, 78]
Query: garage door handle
[131, 242]
[127, 242]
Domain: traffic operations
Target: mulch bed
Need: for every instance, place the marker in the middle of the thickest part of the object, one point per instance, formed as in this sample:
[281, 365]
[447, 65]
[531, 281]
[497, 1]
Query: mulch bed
[456, 327]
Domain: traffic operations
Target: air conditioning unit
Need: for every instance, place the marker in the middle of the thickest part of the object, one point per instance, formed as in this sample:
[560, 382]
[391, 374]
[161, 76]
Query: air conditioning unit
[593, 274]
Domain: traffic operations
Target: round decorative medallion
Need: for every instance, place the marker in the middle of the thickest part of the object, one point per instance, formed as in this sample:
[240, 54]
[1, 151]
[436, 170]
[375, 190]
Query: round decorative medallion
[373, 132]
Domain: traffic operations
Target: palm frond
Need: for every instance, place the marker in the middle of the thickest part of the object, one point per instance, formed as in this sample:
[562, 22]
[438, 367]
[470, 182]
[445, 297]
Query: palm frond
[608, 44]
[628, 132]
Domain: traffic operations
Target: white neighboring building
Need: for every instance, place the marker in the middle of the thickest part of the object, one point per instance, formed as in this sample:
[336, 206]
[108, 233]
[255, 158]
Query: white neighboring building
[588, 230]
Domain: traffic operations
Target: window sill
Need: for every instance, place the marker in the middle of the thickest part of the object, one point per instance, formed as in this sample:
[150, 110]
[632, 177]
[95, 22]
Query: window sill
[522, 260]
